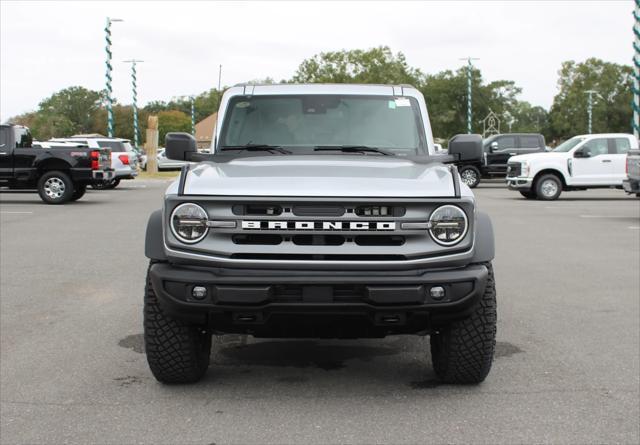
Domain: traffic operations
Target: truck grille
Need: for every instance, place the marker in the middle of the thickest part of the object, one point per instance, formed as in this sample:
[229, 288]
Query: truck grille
[514, 169]
[299, 229]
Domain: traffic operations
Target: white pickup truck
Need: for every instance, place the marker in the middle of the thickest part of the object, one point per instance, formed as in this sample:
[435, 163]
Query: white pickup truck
[582, 162]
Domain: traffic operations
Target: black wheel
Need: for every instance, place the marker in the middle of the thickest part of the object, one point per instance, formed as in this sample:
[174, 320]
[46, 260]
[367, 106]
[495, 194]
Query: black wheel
[176, 352]
[78, 191]
[529, 194]
[55, 187]
[463, 351]
[114, 183]
[548, 187]
[469, 175]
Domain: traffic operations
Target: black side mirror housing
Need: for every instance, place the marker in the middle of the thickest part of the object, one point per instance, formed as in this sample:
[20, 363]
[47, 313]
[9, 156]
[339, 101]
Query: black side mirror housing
[584, 153]
[493, 147]
[179, 146]
[466, 147]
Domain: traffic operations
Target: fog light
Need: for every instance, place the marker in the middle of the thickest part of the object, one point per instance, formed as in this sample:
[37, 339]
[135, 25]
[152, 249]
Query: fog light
[437, 292]
[199, 292]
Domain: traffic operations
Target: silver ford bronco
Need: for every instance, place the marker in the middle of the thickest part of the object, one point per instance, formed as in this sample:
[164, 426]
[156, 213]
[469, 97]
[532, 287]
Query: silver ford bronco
[323, 211]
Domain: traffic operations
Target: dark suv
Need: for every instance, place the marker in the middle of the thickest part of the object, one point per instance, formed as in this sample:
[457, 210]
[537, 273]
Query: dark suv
[497, 150]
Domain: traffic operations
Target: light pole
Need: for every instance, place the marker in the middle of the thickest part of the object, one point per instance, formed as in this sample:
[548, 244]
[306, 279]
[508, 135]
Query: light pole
[469, 91]
[107, 31]
[590, 107]
[134, 87]
[636, 70]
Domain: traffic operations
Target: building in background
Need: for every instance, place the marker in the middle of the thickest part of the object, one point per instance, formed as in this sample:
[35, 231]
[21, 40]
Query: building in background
[204, 131]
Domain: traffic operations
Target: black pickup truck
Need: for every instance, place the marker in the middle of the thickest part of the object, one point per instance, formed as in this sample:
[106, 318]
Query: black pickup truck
[60, 175]
[497, 150]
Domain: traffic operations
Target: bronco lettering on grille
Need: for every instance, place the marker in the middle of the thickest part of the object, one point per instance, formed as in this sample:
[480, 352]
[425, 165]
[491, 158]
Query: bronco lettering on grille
[317, 225]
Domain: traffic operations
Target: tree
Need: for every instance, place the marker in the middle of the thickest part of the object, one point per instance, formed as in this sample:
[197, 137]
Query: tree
[122, 122]
[376, 65]
[172, 120]
[611, 107]
[73, 108]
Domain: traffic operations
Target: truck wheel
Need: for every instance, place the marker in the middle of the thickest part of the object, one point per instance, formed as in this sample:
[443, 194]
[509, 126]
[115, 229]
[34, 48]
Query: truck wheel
[529, 194]
[470, 175]
[55, 187]
[176, 352]
[78, 191]
[548, 187]
[114, 184]
[463, 351]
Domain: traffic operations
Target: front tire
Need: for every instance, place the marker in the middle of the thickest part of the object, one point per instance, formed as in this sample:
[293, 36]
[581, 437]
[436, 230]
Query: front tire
[469, 175]
[529, 194]
[55, 187]
[463, 351]
[176, 351]
[548, 187]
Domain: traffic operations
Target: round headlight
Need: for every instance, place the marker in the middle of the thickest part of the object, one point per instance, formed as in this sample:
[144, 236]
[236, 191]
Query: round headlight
[189, 223]
[448, 225]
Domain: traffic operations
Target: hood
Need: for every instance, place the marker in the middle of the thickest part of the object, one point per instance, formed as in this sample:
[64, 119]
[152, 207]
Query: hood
[534, 156]
[319, 176]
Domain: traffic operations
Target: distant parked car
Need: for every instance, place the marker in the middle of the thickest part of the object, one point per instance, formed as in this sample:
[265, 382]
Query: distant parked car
[582, 162]
[497, 150]
[163, 162]
[632, 183]
[124, 159]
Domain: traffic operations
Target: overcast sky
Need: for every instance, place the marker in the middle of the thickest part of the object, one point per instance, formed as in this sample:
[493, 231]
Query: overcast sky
[47, 46]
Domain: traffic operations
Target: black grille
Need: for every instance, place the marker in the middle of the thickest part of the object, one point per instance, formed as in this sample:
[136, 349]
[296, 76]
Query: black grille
[514, 169]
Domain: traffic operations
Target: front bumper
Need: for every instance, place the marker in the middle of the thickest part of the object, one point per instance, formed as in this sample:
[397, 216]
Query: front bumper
[631, 186]
[519, 183]
[293, 303]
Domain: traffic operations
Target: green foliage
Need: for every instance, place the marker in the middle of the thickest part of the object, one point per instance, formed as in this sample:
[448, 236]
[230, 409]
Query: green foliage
[376, 65]
[79, 110]
[172, 120]
[611, 108]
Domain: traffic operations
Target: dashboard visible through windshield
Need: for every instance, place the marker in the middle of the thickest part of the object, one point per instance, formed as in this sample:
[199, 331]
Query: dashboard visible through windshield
[310, 123]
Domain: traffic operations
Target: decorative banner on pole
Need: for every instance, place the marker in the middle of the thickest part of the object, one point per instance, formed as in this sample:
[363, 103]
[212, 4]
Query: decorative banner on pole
[636, 70]
[107, 31]
[490, 124]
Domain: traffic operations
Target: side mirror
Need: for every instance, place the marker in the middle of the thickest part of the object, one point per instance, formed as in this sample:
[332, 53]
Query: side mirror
[493, 146]
[582, 153]
[466, 147]
[179, 146]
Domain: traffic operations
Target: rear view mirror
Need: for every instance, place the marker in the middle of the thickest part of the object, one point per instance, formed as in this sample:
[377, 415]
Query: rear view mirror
[179, 146]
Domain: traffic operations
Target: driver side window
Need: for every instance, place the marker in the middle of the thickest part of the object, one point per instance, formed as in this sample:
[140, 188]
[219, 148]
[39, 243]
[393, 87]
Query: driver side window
[596, 147]
[506, 142]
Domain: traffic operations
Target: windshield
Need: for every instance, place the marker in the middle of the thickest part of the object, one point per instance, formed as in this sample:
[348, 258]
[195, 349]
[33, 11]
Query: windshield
[304, 122]
[568, 145]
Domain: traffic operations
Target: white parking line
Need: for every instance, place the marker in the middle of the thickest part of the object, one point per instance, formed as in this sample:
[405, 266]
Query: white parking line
[593, 216]
[15, 212]
[634, 227]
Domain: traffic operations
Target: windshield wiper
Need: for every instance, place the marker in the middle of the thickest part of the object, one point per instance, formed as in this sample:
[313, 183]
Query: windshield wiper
[352, 149]
[257, 147]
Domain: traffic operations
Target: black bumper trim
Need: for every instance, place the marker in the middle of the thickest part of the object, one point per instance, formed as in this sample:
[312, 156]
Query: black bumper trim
[237, 302]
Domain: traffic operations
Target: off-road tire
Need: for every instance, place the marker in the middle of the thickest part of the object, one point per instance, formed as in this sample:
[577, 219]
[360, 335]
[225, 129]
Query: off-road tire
[63, 191]
[176, 352]
[463, 351]
[78, 191]
[541, 191]
[469, 175]
[529, 194]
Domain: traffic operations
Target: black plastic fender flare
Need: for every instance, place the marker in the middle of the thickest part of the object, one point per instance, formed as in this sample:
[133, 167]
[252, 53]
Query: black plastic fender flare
[153, 242]
[485, 249]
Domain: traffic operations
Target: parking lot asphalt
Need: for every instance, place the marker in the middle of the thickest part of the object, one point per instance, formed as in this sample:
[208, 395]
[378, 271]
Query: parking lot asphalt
[72, 367]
